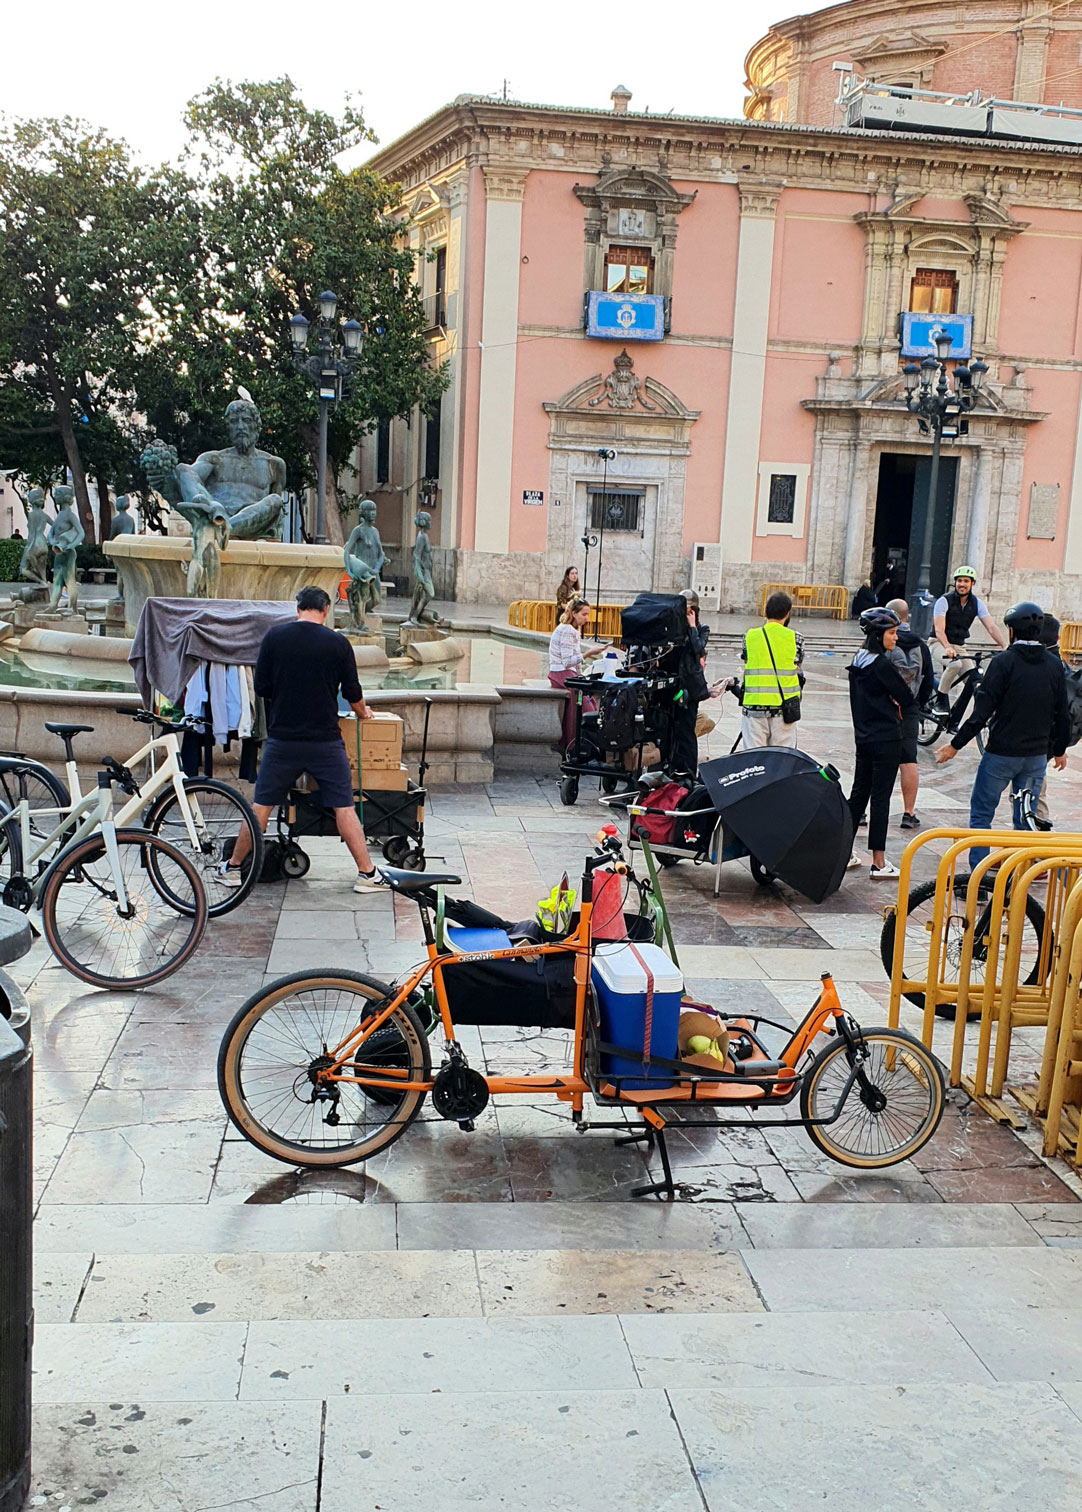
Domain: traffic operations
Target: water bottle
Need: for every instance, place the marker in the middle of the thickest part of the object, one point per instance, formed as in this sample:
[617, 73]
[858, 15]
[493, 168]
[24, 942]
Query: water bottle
[609, 664]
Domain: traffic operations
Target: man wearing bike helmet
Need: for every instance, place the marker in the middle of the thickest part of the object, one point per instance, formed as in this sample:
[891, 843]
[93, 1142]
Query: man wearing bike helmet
[953, 614]
[1023, 700]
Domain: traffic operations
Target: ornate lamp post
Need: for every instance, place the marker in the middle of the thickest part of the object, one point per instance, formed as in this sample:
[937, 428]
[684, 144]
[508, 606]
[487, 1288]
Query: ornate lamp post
[329, 369]
[930, 398]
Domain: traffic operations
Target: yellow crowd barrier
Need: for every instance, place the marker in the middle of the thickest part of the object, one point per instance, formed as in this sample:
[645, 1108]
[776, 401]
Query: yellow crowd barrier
[810, 598]
[1010, 974]
[540, 615]
[1070, 640]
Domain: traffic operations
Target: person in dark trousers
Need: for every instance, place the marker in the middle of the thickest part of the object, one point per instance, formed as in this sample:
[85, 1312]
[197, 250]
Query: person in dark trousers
[914, 662]
[683, 755]
[878, 698]
[1023, 700]
[302, 665]
[1049, 639]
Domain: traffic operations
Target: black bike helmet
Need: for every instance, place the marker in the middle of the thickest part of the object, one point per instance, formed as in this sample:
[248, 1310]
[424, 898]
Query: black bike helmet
[1025, 619]
[879, 619]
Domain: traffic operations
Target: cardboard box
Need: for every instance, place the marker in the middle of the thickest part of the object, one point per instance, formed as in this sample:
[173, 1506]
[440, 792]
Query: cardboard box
[386, 781]
[381, 742]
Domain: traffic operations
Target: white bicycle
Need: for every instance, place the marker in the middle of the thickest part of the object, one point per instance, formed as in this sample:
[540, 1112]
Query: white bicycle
[199, 815]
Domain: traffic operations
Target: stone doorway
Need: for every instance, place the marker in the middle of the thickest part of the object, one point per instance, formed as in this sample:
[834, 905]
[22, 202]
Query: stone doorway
[898, 529]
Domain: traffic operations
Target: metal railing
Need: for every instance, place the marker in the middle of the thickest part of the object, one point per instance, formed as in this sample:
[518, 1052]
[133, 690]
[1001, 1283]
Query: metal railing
[540, 615]
[810, 598]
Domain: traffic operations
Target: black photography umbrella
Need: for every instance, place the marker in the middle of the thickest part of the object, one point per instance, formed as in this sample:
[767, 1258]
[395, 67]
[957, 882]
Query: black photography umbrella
[789, 811]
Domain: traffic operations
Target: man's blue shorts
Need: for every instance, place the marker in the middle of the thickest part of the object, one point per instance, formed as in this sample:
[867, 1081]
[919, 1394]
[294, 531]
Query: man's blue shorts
[325, 761]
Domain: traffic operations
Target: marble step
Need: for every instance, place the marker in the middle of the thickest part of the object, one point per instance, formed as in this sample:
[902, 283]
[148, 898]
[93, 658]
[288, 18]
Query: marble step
[238, 1228]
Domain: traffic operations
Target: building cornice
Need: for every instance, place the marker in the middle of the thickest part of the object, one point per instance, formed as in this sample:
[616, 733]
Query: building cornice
[511, 137]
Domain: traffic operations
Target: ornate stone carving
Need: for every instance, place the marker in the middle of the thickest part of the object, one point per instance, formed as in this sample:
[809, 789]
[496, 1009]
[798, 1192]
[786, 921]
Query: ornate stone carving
[759, 201]
[505, 183]
[622, 389]
[646, 201]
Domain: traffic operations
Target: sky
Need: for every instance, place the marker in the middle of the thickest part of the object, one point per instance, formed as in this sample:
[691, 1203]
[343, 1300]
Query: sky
[131, 67]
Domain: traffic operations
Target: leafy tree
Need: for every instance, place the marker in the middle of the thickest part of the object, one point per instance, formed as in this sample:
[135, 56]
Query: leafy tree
[94, 260]
[280, 221]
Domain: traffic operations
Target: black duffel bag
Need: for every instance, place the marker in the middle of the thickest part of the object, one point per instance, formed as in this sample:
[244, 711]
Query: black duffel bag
[655, 619]
[537, 994]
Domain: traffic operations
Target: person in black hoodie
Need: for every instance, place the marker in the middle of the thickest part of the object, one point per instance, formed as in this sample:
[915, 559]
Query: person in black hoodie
[878, 697]
[1023, 699]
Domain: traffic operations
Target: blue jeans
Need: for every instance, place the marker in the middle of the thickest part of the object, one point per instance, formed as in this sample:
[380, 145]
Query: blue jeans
[1022, 773]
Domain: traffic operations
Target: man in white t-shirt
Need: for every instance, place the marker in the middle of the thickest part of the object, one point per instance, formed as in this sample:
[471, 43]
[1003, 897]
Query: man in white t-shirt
[953, 614]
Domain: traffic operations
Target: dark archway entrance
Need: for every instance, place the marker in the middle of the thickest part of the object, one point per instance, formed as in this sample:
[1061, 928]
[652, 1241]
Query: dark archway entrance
[898, 535]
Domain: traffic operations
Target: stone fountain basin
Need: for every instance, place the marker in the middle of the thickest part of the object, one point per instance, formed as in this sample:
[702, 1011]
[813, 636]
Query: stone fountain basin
[152, 566]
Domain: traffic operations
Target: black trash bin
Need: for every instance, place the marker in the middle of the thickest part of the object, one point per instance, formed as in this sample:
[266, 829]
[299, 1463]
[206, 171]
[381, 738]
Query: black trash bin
[16, 1194]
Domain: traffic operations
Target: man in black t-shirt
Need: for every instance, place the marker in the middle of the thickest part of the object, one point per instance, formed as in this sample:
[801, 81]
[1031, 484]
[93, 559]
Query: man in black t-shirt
[302, 666]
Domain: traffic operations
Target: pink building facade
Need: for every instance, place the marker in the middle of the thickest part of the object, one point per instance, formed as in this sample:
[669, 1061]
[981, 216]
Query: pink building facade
[746, 281]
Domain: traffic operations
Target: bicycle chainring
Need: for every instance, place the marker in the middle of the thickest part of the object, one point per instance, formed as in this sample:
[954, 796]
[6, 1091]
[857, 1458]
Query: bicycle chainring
[459, 1093]
[19, 894]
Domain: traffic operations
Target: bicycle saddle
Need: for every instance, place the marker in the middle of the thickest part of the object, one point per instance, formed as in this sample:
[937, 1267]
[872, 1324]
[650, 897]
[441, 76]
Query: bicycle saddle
[66, 731]
[413, 881]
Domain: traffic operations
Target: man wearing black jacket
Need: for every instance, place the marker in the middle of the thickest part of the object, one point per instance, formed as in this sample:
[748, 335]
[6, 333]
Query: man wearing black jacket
[1024, 695]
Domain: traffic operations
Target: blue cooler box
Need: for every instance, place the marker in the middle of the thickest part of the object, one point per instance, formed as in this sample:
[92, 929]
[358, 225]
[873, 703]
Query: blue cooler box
[619, 983]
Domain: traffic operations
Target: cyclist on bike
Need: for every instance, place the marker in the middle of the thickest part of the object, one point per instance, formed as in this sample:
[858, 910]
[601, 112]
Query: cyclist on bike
[952, 616]
[1024, 696]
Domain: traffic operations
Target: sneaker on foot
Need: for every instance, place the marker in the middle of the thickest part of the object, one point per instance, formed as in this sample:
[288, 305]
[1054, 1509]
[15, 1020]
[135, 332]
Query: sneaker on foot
[226, 875]
[909, 821]
[887, 872]
[371, 881]
[854, 863]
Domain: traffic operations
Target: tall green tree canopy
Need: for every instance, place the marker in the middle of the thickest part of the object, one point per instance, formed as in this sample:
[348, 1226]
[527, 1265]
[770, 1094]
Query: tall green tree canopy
[92, 255]
[280, 221]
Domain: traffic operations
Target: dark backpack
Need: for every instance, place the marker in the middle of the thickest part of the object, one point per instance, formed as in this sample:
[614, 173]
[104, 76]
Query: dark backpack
[1073, 679]
[618, 703]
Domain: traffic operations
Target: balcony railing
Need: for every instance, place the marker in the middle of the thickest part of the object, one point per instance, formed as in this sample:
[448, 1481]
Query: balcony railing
[435, 311]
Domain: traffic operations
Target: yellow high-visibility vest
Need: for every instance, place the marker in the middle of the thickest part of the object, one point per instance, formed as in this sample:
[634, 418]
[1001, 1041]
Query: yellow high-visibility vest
[762, 688]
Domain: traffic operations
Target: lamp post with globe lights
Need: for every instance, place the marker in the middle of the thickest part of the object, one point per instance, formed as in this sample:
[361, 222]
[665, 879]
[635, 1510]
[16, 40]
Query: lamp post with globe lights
[329, 369]
[939, 410]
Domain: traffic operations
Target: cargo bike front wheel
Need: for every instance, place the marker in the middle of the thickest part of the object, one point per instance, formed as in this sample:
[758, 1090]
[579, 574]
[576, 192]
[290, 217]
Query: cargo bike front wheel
[278, 1042]
[887, 1092]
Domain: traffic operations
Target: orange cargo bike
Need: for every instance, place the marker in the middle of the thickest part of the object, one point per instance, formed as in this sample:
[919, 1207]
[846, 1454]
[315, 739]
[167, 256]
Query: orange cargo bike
[327, 1068]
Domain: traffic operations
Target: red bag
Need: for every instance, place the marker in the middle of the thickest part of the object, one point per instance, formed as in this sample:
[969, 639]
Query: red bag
[659, 828]
[607, 919]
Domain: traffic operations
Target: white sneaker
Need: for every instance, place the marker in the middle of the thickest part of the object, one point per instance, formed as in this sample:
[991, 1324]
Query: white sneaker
[370, 882]
[854, 863]
[887, 872]
[226, 875]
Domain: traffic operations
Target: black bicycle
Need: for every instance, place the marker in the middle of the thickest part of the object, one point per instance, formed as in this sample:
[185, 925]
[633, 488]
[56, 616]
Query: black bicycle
[934, 722]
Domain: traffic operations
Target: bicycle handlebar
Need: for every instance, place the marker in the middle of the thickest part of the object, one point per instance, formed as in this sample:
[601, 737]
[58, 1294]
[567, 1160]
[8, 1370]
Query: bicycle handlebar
[147, 716]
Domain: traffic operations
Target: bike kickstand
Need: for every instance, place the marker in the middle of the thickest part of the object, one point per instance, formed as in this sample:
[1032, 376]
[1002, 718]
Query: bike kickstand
[667, 1187]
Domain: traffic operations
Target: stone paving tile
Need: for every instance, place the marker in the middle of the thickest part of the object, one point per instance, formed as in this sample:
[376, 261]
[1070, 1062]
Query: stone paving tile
[884, 1225]
[1056, 1224]
[874, 1280]
[568, 1225]
[536, 1451]
[385, 1357]
[1071, 1392]
[58, 1284]
[1024, 1343]
[138, 1362]
[325, 924]
[164, 1056]
[218, 1228]
[863, 1186]
[154, 1146]
[169, 1456]
[243, 1174]
[741, 1445]
[376, 1283]
[572, 1281]
[742, 1348]
[1006, 1184]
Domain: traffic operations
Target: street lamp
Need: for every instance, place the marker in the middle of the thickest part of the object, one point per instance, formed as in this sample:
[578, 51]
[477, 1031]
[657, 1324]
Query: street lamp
[329, 369]
[928, 395]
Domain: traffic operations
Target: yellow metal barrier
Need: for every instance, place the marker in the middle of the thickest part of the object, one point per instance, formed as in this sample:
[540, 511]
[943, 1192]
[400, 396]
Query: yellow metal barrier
[809, 598]
[540, 615]
[1070, 641]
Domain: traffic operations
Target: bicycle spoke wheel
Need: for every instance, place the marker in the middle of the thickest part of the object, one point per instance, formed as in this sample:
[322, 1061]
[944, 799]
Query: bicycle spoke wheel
[918, 926]
[220, 815]
[929, 728]
[273, 1048]
[891, 1110]
[41, 791]
[106, 944]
